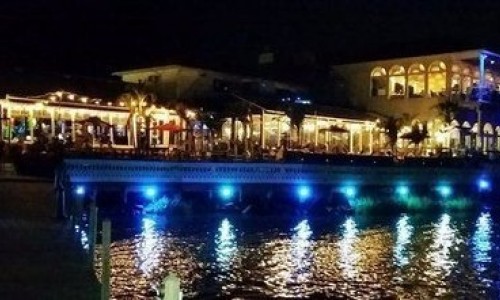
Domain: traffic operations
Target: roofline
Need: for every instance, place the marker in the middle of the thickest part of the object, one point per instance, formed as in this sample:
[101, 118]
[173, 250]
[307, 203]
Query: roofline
[151, 69]
[466, 54]
[173, 66]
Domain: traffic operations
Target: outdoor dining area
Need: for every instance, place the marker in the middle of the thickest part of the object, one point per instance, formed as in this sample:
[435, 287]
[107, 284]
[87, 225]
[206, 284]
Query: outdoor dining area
[82, 124]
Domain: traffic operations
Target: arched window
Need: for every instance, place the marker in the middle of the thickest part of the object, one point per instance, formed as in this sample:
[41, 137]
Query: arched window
[416, 81]
[488, 137]
[437, 78]
[456, 83]
[475, 78]
[497, 84]
[488, 129]
[489, 80]
[456, 80]
[378, 79]
[397, 81]
[466, 80]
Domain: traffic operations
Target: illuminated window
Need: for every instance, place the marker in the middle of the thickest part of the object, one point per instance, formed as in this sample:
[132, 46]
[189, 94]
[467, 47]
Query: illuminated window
[466, 80]
[416, 81]
[455, 83]
[378, 82]
[456, 79]
[397, 81]
[437, 78]
[475, 78]
[489, 80]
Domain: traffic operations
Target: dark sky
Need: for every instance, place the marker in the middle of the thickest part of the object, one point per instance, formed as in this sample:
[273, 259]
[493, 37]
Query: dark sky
[96, 37]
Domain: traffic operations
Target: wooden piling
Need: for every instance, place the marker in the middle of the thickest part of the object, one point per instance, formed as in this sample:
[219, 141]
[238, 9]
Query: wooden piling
[106, 265]
[172, 287]
[92, 231]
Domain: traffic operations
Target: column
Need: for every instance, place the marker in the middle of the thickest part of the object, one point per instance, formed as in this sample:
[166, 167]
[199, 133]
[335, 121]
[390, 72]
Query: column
[31, 116]
[9, 123]
[53, 123]
[316, 131]
[371, 139]
[166, 134]
[262, 135]
[279, 131]
[479, 135]
[360, 139]
[111, 130]
[351, 138]
[73, 127]
[134, 130]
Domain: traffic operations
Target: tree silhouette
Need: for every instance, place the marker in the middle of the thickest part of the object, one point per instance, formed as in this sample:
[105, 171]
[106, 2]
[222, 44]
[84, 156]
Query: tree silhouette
[297, 114]
[392, 126]
[138, 101]
[447, 110]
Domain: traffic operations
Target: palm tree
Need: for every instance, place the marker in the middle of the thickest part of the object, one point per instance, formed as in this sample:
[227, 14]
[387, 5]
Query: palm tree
[239, 111]
[417, 135]
[187, 116]
[137, 102]
[297, 114]
[447, 110]
[392, 126]
[213, 121]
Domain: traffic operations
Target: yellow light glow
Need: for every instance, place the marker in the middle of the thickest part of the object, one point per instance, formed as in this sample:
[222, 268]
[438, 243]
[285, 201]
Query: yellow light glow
[190, 114]
[71, 97]
[59, 94]
[53, 98]
[122, 103]
[39, 106]
[84, 99]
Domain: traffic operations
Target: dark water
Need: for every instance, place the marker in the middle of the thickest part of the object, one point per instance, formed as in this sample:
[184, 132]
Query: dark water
[426, 256]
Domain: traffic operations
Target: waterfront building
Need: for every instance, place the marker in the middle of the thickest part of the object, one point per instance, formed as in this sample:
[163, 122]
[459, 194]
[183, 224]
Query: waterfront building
[455, 94]
[267, 124]
[118, 124]
[70, 117]
[189, 83]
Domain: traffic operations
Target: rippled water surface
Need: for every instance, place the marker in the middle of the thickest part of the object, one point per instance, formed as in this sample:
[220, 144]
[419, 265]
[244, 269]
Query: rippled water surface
[446, 256]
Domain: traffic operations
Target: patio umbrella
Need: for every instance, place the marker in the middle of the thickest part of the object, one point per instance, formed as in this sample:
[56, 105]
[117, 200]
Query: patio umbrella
[167, 127]
[413, 135]
[94, 121]
[334, 129]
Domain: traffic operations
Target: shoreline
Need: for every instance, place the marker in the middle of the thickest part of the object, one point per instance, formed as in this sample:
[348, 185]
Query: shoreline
[41, 258]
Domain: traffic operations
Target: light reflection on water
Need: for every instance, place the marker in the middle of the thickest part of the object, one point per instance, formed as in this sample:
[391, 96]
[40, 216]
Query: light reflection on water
[404, 231]
[347, 257]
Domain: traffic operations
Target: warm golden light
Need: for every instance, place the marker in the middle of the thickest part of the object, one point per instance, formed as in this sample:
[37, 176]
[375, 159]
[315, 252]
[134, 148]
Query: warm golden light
[84, 99]
[59, 94]
[71, 97]
[190, 114]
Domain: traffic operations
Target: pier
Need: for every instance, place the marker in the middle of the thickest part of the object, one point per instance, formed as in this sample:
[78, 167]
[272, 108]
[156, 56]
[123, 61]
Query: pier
[270, 181]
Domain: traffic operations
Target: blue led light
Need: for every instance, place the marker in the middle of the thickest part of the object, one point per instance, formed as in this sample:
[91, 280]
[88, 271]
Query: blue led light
[150, 192]
[226, 192]
[402, 191]
[304, 192]
[483, 185]
[349, 191]
[444, 190]
[80, 190]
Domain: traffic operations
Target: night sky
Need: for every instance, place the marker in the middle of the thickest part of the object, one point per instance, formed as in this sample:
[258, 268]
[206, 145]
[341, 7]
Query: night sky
[97, 37]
